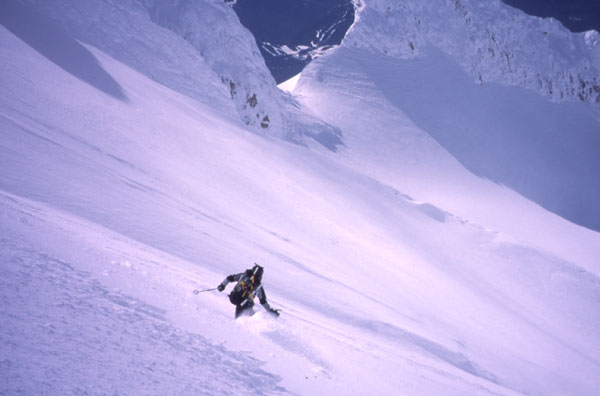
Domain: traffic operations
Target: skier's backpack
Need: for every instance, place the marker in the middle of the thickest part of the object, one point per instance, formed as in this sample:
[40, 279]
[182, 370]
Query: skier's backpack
[244, 290]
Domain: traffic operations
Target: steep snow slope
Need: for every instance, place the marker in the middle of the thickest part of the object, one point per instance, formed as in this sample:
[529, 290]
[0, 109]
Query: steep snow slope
[108, 206]
[548, 152]
[120, 195]
[205, 53]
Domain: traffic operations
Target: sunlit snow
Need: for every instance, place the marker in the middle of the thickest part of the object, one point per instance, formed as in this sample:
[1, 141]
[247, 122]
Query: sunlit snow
[393, 235]
[290, 84]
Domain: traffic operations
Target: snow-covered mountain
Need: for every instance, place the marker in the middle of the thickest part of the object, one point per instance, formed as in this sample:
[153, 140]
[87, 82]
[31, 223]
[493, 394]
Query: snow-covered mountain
[290, 33]
[218, 63]
[492, 42]
[437, 74]
[394, 200]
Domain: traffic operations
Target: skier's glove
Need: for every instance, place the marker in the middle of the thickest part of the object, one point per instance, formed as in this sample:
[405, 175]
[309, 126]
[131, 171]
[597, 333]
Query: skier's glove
[220, 288]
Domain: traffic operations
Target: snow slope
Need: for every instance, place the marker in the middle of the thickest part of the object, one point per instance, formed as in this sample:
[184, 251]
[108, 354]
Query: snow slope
[498, 127]
[198, 48]
[121, 194]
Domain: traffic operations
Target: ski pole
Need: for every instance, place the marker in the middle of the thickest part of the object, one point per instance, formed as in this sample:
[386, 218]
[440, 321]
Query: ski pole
[202, 291]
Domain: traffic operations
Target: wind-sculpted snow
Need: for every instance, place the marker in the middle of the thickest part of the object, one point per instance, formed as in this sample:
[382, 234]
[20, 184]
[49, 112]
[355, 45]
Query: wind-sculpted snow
[200, 50]
[544, 147]
[50, 40]
[212, 28]
[492, 41]
[547, 151]
[125, 31]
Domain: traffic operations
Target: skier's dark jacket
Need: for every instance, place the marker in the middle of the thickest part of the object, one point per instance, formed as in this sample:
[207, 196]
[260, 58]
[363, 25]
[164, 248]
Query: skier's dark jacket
[245, 298]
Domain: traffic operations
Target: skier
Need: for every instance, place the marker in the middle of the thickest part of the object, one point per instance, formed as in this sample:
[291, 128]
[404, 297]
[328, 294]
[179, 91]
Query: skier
[248, 286]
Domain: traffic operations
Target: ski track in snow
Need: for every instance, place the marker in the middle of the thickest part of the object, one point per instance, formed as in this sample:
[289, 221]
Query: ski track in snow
[86, 338]
[80, 333]
[75, 323]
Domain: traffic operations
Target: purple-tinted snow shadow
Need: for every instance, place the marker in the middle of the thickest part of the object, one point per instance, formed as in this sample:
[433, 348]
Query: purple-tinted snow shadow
[51, 41]
[547, 152]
